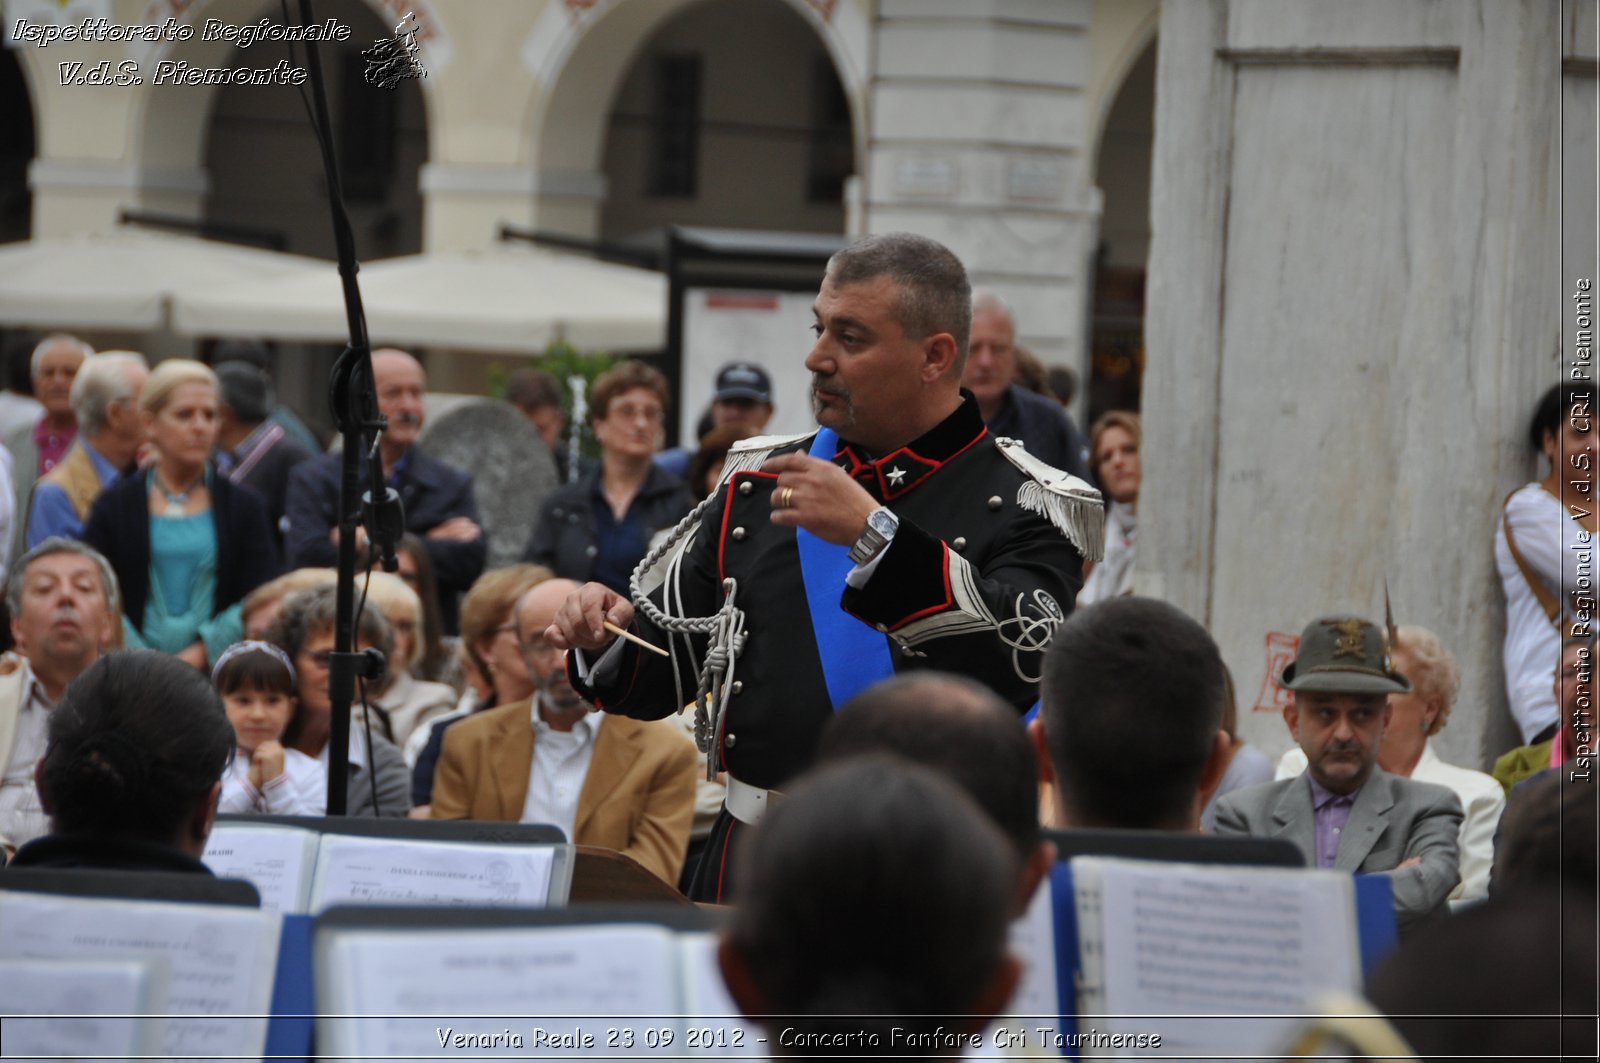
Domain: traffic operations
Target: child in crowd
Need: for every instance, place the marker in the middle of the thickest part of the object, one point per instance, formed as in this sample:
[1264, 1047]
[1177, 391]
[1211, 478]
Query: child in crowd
[258, 685]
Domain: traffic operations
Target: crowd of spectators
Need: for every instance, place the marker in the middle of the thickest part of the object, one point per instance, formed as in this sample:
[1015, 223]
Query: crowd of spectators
[171, 509]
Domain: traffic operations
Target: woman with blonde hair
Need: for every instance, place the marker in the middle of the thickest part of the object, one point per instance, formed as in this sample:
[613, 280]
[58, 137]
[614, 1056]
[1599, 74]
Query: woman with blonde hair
[186, 544]
[409, 702]
[262, 605]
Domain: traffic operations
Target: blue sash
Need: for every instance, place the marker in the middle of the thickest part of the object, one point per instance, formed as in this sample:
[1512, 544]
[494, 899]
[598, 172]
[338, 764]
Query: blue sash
[854, 655]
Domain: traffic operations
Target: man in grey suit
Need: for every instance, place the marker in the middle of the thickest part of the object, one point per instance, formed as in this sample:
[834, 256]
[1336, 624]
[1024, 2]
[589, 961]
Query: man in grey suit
[1345, 812]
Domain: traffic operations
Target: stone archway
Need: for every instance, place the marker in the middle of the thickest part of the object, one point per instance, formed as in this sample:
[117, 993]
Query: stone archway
[731, 114]
[245, 156]
[583, 52]
[1122, 174]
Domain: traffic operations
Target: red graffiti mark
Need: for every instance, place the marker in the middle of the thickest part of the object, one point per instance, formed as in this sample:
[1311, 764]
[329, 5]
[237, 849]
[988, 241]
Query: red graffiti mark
[1281, 649]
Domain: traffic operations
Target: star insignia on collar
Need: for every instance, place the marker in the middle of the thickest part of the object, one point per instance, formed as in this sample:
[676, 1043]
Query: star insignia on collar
[896, 475]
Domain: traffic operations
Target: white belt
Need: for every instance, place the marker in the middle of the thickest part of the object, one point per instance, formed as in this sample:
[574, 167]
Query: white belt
[747, 803]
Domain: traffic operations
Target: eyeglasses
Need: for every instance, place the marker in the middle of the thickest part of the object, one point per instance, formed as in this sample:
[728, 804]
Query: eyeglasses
[541, 648]
[630, 412]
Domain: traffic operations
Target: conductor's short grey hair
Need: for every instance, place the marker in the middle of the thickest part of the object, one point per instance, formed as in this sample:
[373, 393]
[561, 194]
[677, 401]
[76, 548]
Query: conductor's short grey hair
[934, 293]
[102, 380]
[54, 340]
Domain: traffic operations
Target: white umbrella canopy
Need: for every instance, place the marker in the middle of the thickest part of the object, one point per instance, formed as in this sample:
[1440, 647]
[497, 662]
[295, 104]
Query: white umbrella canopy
[501, 299]
[125, 278]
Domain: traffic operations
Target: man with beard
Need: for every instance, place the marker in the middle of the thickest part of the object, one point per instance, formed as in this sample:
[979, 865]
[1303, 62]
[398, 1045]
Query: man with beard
[438, 498]
[901, 536]
[604, 780]
[64, 615]
[1345, 812]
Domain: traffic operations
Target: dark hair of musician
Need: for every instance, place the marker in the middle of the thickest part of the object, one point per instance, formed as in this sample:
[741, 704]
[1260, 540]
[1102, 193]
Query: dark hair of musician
[1132, 702]
[876, 895]
[1547, 835]
[959, 728]
[138, 740]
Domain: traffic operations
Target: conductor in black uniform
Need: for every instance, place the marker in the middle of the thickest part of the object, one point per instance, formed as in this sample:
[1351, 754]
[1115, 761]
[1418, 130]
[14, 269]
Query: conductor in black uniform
[900, 536]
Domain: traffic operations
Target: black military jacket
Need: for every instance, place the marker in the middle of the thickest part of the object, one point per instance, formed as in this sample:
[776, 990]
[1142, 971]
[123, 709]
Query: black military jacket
[974, 582]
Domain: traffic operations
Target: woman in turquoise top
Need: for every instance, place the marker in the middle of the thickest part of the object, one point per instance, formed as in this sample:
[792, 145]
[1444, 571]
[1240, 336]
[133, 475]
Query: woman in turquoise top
[187, 545]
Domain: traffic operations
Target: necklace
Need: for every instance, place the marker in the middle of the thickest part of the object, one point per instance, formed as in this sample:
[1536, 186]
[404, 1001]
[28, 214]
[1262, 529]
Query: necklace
[176, 500]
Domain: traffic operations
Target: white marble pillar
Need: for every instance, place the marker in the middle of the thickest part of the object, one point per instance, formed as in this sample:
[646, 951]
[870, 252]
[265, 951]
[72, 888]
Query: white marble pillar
[1354, 301]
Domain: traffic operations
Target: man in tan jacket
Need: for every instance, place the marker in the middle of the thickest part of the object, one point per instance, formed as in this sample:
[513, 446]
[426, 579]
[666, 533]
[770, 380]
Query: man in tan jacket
[605, 780]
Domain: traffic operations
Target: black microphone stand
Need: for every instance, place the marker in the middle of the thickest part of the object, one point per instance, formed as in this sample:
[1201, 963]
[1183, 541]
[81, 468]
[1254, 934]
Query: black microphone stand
[354, 402]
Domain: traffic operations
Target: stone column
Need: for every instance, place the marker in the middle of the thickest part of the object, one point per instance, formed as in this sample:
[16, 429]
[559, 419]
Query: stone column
[1353, 303]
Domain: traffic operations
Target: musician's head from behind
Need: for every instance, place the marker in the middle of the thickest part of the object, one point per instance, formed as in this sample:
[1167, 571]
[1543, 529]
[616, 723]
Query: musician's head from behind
[1131, 724]
[892, 323]
[875, 895]
[136, 752]
[965, 732]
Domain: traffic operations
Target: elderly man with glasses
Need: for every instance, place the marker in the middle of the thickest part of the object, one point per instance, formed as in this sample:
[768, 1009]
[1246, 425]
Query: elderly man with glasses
[609, 781]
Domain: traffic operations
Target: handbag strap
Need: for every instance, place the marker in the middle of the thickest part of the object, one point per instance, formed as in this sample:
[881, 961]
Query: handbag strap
[1547, 601]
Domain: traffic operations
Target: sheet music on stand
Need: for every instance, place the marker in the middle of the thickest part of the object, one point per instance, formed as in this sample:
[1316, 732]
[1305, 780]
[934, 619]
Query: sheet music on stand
[721, 1031]
[378, 871]
[221, 959]
[86, 1009]
[549, 992]
[597, 982]
[299, 870]
[278, 861]
[1203, 957]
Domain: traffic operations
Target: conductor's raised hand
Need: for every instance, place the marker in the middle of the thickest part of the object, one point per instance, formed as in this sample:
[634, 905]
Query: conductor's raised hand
[820, 497]
[581, 621]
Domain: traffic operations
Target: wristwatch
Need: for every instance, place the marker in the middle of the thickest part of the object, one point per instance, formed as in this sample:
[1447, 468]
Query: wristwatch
[881, 526]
